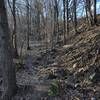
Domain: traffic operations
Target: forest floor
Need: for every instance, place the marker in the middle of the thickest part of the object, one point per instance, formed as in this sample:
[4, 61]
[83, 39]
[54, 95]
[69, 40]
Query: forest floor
[69, 72]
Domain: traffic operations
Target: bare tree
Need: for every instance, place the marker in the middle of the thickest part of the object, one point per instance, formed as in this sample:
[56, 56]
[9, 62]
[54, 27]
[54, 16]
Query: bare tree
[28, 24]
[67, 15]
[95, 18]
[6, 59]
[56, 22]
[14, 33]
[64, 17]
[75, 15]
[89, 12]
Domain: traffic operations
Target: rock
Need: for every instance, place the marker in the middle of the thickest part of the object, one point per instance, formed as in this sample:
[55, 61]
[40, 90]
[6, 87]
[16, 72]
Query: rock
[54, 64]
[67, 46]
[74, 65]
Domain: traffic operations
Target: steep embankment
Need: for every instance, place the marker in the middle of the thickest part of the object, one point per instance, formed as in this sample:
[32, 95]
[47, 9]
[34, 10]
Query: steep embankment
[77, 64]
[82, 52]
[75, 67]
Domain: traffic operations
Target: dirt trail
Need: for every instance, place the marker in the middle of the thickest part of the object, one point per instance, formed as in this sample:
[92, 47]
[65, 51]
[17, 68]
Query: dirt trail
[27, 77]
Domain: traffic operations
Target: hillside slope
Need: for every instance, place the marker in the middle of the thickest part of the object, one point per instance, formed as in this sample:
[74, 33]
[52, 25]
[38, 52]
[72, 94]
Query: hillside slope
[69, 72]
[77, 63]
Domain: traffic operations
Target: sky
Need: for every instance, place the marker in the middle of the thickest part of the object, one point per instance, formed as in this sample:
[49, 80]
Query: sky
[98, 6]
[82, 12]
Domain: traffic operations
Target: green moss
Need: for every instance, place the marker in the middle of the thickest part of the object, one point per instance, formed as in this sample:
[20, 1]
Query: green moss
[54, 89]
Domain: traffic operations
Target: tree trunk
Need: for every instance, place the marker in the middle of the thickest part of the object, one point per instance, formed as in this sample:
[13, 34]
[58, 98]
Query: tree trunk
[56, 21]
[14, 35]
[14, 30]
[95, 18]
[6, 59]
[67, 15]
[28, 26]
[88, 5]
[64, 18]
[75, 15]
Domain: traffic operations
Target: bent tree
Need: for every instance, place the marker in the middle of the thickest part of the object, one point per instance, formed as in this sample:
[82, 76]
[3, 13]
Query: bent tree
[6, 59]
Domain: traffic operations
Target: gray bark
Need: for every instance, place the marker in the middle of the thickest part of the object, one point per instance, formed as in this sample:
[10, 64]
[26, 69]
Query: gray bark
[28, 24]
[6, 59]
[95, 18]
[64, 18]
[75, 15]
[67, 15]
